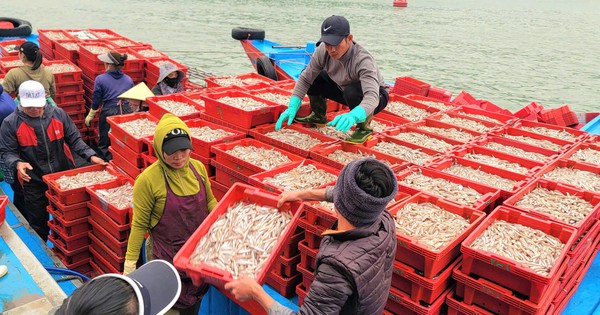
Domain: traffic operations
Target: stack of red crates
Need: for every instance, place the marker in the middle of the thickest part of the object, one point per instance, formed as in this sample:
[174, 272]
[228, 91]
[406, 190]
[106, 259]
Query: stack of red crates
[48, 39]
[7, 47]
[69, 224]
[110, 228]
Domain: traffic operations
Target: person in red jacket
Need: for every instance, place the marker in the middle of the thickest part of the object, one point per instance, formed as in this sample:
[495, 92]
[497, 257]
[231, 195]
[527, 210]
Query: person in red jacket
[35, 140]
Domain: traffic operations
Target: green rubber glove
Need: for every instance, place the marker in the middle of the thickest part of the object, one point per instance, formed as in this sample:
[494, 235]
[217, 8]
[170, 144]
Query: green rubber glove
[345, 121]
[290, 112]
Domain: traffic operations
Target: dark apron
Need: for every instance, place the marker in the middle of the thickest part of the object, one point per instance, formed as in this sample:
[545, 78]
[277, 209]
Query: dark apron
[182, 215]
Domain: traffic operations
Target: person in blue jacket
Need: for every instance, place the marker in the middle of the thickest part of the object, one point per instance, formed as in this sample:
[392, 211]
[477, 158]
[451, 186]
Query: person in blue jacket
[107, 88]
[7, 106]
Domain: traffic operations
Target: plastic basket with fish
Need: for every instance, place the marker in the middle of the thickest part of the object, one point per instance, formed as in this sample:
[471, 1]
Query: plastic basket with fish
[508, 272]
[400, 303]
[202, 145]
[572, 173]
[498, 159]
[484, 116]
[260, 133]
[120, 210]
[201, 271]
[584, 153]
[421, 289]
[532, 138]
[126, 136]
[339, 154]
[405, 150]
[281, 96]
[418, 250]
[241, 108]
[241, 80]
[305, 174]
[444, 131]
[561, 132]
[408, 109]
[516, 148]
[466, 122]
[176, 104]
[440, 104]
[119, 232]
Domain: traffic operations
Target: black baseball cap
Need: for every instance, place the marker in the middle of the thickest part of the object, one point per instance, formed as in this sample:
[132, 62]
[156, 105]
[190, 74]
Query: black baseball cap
[334, 29]
[156, 284]
[176, 139]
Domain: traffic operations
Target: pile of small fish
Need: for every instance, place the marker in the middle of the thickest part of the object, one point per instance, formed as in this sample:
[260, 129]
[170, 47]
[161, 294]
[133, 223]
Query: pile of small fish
[84, 179]
[301, 177]
[480, 176]
[482, 117]
[264, 158]
[12, 63]
[409, 154]
[326, 205]
[103, 34]
[139, 128]
[55, 35]
[244, 103]
[345, 157]
[452, 133]
[331, 132]
[177, 108]
[162, 63]
[407, 111]
[424, 140]
[294, 138]
[242, 239]
[378, 126]
[465, 123]
[206, 133]
[583, 179]
[149, 53]
[61, 67]
[437, 105]
[429, 224]
[564, 207]
[83, 34]
[121, 197]
[275, 97]
[588, 155]
[11, 48]
[515, 151]
[560, 134]
[123, 42]
[440, 187]
[97, 50]
[530, 247]
[229, 81]
[535, 142]
[494, 161]
[70, 45]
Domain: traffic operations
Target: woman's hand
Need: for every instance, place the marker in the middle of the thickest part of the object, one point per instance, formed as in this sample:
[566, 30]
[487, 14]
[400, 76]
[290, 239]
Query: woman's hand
[243, 289]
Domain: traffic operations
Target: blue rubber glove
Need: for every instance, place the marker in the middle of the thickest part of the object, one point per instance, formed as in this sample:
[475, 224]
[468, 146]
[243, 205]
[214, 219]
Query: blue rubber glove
[345, 121]
[290, 112]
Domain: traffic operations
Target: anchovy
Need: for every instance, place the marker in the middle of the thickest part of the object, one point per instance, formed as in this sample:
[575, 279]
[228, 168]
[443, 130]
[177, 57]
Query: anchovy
[84, 179]
[121, 197]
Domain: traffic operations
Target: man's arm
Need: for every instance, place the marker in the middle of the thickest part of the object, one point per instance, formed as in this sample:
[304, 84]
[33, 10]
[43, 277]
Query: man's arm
[315, 66]
[367, 72]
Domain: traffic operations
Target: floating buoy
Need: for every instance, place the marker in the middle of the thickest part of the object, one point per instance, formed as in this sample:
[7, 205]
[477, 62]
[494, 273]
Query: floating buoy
[400, 3]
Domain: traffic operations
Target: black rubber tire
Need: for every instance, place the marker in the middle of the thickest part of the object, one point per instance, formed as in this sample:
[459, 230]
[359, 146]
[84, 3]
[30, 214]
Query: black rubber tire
[265, 67]
[242, 33]
[21, 28]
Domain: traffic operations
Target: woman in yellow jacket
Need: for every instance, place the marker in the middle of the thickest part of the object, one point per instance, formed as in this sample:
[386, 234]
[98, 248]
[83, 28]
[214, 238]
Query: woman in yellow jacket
[171, 198]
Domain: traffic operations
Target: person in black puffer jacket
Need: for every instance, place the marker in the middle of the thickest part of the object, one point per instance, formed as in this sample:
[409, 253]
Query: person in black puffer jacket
[355, 260]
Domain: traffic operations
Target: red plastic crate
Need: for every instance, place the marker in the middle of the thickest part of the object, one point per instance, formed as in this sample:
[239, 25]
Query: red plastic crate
[136, 144]
[73, 196]
[286, 286]
[69, 257]
[409, 85]
[219, 190]
[3, 203]
[69, 88]
[419, 288]
[301, 291]
[507, 272]
[257, 179]
[426, 100]
[267, 88]
[308, 261]
[321, 153]
[439, 93]
[286, 267]
[519, 145]
[549, 167]
[240, 165]
[248, 79]
[158, 111]
[408, 145]
[119, 247]
[103, 33]
[561, 116]
[70, 97]
[429, 262]
[71, 212]
[202, 147]
[533, 167]
[119, 231]
[464, 98]
[498, 118]
[99, 249]
[581, 226]
[399, 303]
[47, 37]
[581, 146]
[290, 249]
[407, 101]
[243, 118]
[529, 112]
[65, 77]
[307, 277]
[581, 249]
[577, 135]
[4, 46]
[497, 299]
[315, 214]
[6, 63]
[446, 162]
[122, 164]
[91, 57]
[259, 133]
[485, 203]
[228, 176]
[456, 307]
[65, 49]
[224, 123]
[100, 265]
[148, 52]
[390, 122]
[555, 144]
[239, 192]
[134, 158]
[482, 127]
[468, 135]
[491, 107]
[69, 243]
[120, 216]
[122, 42]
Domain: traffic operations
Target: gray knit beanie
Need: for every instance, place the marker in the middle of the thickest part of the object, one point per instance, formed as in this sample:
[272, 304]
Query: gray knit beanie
[357, 206]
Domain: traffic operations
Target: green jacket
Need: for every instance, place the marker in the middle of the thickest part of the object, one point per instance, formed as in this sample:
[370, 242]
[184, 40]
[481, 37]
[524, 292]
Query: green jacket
[150, 190]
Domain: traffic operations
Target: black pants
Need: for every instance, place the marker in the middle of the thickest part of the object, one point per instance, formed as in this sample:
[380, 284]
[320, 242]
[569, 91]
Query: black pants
[104, 127]
[18, 198]
[34, 207]
[350, 96]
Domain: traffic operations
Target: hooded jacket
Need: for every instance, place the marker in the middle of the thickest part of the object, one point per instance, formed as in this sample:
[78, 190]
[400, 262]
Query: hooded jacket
[16, 76]
[150, 190]
[107, 88]
[44, 142]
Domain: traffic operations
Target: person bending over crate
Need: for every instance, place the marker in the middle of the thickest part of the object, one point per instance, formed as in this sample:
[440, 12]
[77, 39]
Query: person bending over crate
[343, 71]
[355, 260]
[36, 140]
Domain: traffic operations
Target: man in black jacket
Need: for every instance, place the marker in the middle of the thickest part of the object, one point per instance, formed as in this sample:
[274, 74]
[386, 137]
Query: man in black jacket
[35, 140]
[355, 260]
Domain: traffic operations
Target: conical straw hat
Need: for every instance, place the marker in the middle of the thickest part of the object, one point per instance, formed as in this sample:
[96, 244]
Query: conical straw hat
[138, 92]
